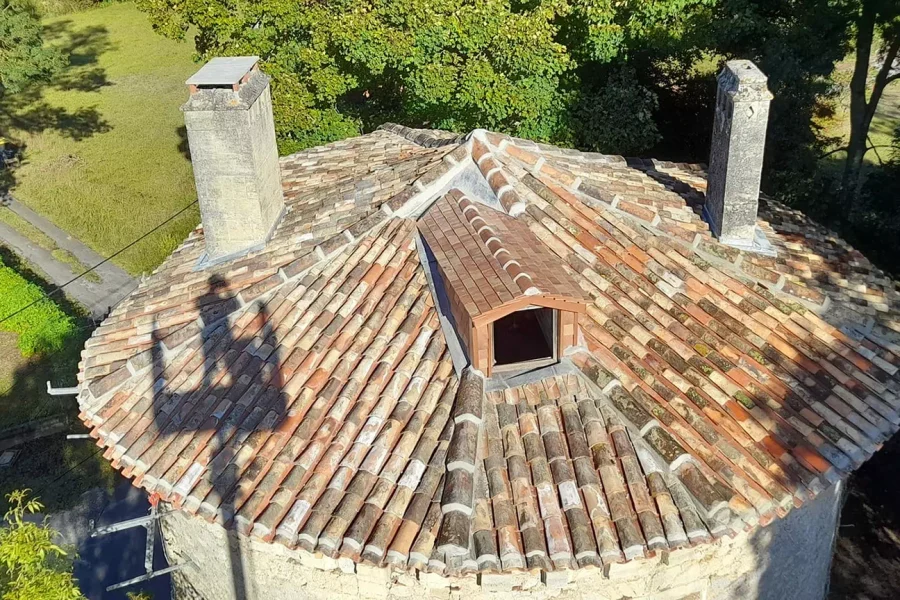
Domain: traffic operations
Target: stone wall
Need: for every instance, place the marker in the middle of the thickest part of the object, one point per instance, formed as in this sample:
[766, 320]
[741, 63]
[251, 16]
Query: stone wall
[789, 559]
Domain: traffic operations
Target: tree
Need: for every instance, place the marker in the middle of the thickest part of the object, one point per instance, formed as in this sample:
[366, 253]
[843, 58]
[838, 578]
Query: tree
[24, 57]
[525, 67]
[32, 566]
[342, 66]
[797, 45]
[872, 16]
[876, 220]
[602, 125]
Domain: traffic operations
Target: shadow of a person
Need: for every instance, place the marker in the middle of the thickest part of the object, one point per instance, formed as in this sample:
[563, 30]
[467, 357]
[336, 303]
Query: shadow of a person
[229, 445]
[214, 306]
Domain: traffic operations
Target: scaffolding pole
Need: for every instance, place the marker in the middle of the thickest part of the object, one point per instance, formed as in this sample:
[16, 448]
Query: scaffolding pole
[149, 523]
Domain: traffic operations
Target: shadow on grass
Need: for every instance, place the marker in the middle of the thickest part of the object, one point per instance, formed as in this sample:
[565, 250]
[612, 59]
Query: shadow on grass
[24, 398]
[184, 147]
[58, 471]
[27, 112]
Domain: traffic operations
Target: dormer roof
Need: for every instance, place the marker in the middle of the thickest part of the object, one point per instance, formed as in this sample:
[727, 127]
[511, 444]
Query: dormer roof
[493, 262]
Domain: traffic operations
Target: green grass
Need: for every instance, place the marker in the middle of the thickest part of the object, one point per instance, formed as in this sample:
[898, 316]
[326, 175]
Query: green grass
[886, 119]
[56, 469]
[38, 237]
[43, 328]
[23, 395]
[104, 143]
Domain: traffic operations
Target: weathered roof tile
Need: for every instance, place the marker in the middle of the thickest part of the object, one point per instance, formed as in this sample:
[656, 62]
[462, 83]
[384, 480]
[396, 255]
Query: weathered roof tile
[305, 393]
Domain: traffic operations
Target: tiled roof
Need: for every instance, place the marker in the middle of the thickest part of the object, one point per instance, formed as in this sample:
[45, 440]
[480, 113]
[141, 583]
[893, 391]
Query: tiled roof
[490, 258]
[305, 393]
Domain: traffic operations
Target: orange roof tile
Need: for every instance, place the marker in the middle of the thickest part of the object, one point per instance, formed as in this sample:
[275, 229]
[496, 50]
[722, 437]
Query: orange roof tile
[490, 259]
[305, 393]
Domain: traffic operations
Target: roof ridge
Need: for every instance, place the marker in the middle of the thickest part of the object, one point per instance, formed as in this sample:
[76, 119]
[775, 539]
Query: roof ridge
[493, 243]
[428, 138]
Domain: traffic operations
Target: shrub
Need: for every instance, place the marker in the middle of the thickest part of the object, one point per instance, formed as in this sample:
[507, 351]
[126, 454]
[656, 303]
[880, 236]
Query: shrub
[32, 566]
[43, 327]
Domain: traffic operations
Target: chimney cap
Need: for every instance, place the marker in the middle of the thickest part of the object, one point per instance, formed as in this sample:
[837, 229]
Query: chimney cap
[223, 71]
[743, 81]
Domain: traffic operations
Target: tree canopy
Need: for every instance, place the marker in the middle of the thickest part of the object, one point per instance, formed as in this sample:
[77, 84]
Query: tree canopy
[515, 66]
[23, 55]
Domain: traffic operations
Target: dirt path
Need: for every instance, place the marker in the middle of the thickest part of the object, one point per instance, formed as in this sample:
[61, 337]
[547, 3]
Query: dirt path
[98, 296]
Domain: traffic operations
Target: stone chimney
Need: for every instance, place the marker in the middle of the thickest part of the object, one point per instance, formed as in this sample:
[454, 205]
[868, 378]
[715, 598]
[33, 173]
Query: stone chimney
[232, 138]
[736, 156]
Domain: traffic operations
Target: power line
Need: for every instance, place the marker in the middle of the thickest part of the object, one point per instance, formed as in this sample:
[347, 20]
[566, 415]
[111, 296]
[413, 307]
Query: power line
[47, 295]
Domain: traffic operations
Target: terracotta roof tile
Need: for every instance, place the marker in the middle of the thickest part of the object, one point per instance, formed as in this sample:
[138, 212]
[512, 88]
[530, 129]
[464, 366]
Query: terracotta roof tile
[305, 393]
[490, 259]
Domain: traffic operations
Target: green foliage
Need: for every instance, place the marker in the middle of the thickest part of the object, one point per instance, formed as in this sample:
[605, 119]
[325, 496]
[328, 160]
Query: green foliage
[797, 45]
[343, 67]
[603, 31]
[42, 328]
[618, 117]
[32, 566]
[23, 56]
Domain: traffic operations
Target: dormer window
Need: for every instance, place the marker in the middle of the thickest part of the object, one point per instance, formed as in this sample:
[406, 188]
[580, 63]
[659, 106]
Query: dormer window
[511, 302]
[525, 339]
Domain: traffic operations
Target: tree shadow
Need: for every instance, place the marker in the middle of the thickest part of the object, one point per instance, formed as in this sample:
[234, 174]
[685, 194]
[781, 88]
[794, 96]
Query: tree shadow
[28, 112]
[222, 412]
[83, 47]
[693, 197]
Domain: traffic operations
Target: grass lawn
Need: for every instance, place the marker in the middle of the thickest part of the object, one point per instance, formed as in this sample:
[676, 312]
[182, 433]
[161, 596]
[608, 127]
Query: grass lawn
[887, 118]
[104, 144]
[23, 394]
[54, 468]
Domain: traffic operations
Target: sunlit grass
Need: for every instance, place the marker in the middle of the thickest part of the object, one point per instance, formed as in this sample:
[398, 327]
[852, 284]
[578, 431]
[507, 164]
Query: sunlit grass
[885, 121]
[111, 164]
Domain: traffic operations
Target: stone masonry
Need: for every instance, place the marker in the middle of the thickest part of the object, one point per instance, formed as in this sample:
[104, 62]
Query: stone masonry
[789, 559]
[736, 155]
[235, 159]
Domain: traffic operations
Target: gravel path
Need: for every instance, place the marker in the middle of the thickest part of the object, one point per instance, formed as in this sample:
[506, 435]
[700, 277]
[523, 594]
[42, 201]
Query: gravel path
[98, 297]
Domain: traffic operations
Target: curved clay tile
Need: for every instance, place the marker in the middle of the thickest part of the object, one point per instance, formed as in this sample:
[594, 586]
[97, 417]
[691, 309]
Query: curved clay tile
[305, 393]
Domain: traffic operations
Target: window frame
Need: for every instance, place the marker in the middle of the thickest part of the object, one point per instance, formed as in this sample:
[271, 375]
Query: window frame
[528, 365]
